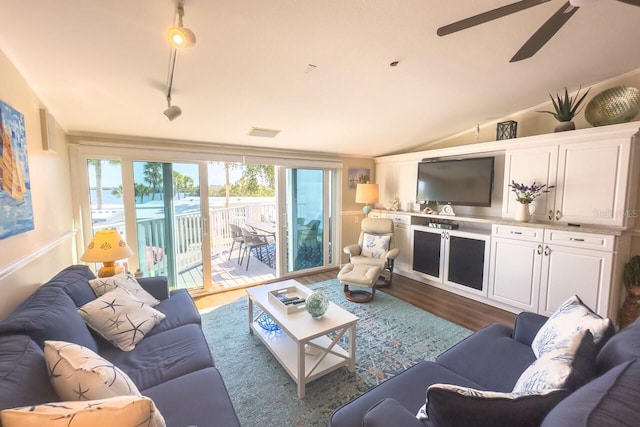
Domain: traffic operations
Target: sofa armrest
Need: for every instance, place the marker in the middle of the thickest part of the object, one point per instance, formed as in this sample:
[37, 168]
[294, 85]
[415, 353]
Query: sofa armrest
[389, 412]
[527, 326]
[156, 286]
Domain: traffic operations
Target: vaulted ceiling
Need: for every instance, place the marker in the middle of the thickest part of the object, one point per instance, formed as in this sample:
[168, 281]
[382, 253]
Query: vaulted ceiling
[101, 66]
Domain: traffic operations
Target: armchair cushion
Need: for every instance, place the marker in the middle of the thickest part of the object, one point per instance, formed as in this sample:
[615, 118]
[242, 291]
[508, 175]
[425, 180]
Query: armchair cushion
[375, 245]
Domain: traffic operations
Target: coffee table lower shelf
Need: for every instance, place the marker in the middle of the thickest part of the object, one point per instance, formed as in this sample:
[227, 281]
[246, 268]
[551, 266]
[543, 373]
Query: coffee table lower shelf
[285, 350]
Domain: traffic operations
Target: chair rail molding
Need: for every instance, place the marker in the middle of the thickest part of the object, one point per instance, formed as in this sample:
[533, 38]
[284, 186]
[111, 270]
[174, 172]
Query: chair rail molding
[25, 260]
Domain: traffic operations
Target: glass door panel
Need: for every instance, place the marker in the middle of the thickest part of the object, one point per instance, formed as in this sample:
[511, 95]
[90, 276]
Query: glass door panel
[168, 222]
[305, 207]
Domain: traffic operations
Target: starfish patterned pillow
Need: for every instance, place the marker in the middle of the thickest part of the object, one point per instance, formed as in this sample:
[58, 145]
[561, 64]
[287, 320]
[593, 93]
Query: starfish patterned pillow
[124, 281]
[114, 411]
[120, 318]
[78, 373]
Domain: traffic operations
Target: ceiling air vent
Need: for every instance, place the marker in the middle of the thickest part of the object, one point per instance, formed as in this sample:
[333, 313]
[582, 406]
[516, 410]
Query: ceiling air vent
[265, 133]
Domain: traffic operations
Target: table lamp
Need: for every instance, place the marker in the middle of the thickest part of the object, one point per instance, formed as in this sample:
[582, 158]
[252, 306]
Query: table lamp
[107, 247]
[367, 193]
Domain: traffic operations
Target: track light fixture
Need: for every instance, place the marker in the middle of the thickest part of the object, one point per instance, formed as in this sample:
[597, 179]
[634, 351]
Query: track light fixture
[173, 111]
[180, 36]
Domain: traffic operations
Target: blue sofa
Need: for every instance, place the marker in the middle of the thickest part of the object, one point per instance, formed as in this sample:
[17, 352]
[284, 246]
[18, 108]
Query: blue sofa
[172, 365]
[493, 359]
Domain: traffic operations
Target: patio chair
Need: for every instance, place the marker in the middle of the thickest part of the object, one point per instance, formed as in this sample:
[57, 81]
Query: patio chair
[236, 236]
[252, 241]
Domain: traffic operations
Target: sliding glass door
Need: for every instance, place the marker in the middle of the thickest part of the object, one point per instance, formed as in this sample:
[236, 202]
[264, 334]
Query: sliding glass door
[168, 222]
[308, 195]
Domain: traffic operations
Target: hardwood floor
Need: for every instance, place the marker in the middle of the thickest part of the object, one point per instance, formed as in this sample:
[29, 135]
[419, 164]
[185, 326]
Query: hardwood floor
[462, 311]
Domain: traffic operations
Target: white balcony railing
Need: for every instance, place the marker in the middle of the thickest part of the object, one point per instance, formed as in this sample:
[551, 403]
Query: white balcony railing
[152, 242]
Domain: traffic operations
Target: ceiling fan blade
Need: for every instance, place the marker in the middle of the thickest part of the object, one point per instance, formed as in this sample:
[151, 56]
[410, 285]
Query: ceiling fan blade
[544, 33]
[489, 16]
[631, 2]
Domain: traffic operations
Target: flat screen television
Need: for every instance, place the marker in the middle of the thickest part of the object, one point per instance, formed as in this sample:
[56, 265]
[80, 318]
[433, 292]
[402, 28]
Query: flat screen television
[462, 182]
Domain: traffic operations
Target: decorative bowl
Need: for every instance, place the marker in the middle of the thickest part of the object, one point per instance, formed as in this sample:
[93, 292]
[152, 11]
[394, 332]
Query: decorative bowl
[317, 303]
[619, 104]
[267, 323]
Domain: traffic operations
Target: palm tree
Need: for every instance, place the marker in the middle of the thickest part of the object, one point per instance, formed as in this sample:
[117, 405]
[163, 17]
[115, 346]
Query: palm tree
[97, 165]
[153, 176]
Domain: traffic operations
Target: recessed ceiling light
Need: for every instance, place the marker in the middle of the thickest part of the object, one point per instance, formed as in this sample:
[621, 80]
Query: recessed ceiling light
[264, 133]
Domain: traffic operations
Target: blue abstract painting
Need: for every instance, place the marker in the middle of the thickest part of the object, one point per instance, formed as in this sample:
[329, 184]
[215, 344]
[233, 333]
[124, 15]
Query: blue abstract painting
[16, 211]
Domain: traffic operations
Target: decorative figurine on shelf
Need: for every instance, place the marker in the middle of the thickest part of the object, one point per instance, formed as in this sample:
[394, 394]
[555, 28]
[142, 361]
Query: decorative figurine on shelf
[525, 195]
[392, 205]
[317, 303]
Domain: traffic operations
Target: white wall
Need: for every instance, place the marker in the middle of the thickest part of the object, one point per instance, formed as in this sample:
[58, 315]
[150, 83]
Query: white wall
[20, 273]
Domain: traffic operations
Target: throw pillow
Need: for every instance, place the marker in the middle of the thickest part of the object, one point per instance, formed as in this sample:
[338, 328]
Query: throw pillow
[566, 367]
[78, 373]
[572, 316]
[375, 246]
[451, 405]
[120, 319]
[115, 411]
[125, 281]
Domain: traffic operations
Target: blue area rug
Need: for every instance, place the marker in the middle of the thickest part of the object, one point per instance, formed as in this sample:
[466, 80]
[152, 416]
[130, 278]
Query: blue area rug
[391, 336]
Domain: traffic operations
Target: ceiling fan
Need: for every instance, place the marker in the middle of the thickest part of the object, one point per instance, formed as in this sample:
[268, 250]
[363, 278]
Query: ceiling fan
[540, 37]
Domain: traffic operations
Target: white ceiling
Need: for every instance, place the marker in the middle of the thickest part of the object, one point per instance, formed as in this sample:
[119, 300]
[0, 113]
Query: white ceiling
[101, 66]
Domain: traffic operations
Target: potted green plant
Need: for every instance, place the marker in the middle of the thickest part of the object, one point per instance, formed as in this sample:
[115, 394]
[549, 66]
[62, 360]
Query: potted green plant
[630, 309]
[566, 108]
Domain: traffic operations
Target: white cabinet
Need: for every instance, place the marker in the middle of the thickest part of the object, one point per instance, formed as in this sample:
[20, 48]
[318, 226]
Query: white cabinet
[397, 181]
[571, 267]
[537, 270]
[452, 257]
[402, 237]
[516, 266]
[526, 166]
[590, 181]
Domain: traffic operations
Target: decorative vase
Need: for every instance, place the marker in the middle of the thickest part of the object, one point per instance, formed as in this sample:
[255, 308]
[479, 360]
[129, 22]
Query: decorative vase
[317, 303]
[564, 126]
[523, 212]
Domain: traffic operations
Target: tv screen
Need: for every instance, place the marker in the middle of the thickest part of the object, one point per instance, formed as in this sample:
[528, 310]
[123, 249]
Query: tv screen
[462, 182]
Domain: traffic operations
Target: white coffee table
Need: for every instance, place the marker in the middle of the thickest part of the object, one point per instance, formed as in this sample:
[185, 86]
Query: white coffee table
[298, 330]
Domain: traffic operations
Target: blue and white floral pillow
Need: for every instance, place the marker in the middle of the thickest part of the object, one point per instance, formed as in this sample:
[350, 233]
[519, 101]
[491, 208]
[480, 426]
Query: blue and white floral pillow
[375, 246]
[571, 317]
[565, 367]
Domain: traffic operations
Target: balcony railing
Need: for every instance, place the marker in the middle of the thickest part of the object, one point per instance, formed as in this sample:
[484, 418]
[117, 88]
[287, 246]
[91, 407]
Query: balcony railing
[153, 243]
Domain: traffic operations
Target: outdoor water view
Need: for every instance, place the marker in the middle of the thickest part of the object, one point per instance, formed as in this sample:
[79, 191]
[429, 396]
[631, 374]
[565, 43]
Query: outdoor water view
[170, 226]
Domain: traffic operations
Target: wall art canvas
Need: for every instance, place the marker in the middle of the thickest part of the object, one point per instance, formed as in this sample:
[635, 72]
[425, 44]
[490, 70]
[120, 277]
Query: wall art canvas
[358, 176]
[16, 211]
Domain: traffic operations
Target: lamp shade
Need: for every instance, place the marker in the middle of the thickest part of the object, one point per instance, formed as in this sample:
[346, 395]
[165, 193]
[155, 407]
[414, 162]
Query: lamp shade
[367, 193]
[107, 246]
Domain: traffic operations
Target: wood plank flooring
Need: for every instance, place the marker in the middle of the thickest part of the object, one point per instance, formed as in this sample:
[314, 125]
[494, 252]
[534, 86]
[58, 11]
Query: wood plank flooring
[457, 309]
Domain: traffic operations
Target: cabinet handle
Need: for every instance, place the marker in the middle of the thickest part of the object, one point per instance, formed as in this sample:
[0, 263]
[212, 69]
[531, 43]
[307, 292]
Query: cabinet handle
[575, 239]
[550, 214]
[446, 235]
[539, 250]
[546, 251]
[558, 215]
[515, 232]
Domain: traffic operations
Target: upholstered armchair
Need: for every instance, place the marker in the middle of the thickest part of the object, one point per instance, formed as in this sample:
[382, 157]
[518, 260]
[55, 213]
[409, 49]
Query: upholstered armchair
[376, 246]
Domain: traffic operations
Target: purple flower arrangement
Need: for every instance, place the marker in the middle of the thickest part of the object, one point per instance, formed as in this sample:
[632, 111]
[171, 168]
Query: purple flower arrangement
[527, 194]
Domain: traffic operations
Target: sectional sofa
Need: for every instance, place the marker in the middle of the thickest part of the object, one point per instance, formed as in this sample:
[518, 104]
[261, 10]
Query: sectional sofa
[172, 364]
[605, 393]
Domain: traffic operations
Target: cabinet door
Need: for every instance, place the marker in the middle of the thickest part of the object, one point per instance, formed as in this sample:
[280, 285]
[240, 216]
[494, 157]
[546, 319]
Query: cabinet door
[467, 261]
[514, 274]
[570, 271]
[407, 181]
[402, 237]
[592, 180]
[428, 253]
[387, 181]
[527, 166]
